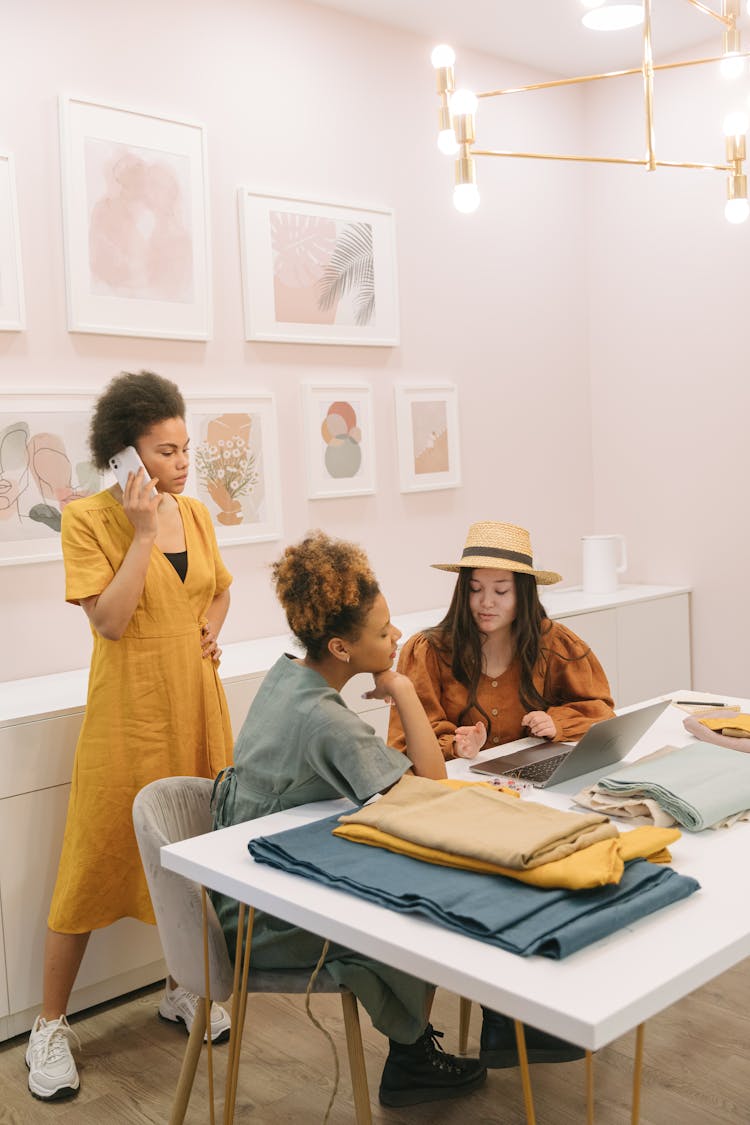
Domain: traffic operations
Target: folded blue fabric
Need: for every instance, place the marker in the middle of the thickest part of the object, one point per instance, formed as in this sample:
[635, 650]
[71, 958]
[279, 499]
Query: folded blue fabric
[698, 784]
[525, 920]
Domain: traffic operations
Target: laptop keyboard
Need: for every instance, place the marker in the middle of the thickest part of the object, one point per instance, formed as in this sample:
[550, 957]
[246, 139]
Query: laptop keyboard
[538, 772]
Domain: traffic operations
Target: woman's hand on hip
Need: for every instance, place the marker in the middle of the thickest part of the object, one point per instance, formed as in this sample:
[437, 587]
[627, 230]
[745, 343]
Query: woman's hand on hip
[209, 644]
[468, 741]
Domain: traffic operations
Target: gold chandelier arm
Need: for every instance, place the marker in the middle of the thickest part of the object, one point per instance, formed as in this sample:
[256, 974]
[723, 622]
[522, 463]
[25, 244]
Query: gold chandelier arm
[728, 22]
[638, 162]
[555, 82]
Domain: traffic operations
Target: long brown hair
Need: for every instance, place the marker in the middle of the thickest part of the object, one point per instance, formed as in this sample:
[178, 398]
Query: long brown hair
[458, 642]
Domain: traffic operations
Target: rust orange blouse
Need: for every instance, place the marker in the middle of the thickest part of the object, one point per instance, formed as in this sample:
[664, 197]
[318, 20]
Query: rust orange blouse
[567, 673]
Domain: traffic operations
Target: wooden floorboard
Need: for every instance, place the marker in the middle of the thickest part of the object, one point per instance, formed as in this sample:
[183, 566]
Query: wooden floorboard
[696, 1072]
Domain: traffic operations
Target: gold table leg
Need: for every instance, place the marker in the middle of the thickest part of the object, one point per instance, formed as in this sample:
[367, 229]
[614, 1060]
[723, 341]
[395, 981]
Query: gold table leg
[637, 1073]
[589, 1088]
[523, 1059]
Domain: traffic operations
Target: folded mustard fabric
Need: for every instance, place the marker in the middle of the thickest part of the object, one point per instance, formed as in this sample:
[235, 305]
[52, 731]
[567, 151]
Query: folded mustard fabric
[596, 866]
[480, 823]
[734, 726]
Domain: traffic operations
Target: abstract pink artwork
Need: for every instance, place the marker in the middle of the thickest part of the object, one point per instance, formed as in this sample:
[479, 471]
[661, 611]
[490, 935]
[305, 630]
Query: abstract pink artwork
[139, 207]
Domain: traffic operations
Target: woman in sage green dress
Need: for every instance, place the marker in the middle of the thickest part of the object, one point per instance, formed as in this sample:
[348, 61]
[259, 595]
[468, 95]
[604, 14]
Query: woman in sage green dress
[301, 743]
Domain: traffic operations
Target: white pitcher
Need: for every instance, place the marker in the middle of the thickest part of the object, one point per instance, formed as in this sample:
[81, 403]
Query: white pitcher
[604, 557]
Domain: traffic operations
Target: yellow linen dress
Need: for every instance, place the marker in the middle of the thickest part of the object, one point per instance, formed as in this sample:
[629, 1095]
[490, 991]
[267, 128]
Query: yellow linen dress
[155, 707]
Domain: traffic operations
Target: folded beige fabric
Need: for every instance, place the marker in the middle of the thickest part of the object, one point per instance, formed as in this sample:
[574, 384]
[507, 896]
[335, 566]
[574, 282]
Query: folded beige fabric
[640, 810]
[479, 822]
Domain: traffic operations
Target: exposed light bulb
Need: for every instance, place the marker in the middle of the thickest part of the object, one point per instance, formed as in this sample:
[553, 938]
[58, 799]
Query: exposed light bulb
[736, 210]
[736, 123]
[614, 18]
[466, 198]
[443, 55]
[732, 66]
[447, 142]
[463, 101]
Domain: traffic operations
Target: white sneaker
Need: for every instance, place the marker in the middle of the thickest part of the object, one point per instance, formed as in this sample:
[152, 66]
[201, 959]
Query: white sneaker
[179, 1005]
[52, 1071]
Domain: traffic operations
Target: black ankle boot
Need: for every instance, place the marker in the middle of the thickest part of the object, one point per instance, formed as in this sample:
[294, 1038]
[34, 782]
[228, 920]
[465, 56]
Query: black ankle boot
[498, 1044]
[423, 1072]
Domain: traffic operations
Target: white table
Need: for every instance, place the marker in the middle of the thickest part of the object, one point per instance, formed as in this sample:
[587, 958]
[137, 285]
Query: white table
[591, 997]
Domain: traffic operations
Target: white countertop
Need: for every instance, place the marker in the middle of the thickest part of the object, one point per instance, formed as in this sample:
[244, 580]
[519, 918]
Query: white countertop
[39, 697]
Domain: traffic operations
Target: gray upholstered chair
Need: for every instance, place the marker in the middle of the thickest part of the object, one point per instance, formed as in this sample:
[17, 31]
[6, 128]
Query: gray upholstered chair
[177, 808]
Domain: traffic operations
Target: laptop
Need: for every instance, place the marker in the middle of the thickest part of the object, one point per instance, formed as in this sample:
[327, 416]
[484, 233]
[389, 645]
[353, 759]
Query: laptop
[604, 744]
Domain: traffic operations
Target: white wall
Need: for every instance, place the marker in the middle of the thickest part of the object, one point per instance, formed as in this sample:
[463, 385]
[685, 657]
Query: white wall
[306, 101]
[668, 286]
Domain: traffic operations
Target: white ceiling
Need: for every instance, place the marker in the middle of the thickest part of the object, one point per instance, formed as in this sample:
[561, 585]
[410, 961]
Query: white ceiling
[546, 34]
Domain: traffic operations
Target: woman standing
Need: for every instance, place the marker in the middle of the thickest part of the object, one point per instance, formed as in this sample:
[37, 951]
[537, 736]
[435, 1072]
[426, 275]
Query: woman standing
[144, 566]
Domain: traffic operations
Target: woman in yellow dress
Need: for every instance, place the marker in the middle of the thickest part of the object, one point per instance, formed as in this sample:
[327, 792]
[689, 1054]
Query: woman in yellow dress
[144, 566]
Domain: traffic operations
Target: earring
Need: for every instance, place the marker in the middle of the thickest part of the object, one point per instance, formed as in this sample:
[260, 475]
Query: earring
[347, 657]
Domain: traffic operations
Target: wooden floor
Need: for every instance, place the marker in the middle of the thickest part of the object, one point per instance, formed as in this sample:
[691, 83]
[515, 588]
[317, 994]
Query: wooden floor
[697, 1069]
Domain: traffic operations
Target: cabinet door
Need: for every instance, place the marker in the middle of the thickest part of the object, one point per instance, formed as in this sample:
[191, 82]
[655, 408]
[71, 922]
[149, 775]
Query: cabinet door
[31, 831]
[599, 631]
[653, 648]
[240, 693]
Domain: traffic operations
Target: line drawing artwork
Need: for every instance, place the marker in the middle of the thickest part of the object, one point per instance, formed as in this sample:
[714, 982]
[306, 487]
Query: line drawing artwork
[429, 421]
[42, 468]
[323, 270]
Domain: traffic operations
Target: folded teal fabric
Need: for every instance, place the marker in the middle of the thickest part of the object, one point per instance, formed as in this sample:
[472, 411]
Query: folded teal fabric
[503, 912]
[698, 784]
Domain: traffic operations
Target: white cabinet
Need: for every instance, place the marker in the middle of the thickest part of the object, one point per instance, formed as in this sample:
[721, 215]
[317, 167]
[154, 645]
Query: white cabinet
[641, 635]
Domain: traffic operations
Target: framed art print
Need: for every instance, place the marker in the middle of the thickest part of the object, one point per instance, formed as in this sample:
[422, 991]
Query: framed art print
[428, 438]
[234, 465]
[317, 273]
[339, 443]
[44, 464]
[135, 221]
[11, 276]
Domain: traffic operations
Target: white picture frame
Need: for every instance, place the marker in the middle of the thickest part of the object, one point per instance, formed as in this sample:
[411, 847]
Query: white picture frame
[135, 222]
[234, 464]
[427, 429]
[12, 307]
[339, 439]
[316, 272]
[45, 463]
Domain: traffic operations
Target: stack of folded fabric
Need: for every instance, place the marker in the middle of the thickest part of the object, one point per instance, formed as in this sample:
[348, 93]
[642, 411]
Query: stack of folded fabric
[699, 785]
[731, 731]
[544, 851]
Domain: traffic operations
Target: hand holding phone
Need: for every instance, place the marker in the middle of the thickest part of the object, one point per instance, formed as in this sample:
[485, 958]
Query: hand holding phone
[125, 462]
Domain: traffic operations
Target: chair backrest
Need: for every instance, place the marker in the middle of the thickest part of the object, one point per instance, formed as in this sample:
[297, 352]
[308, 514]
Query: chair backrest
[164, 812]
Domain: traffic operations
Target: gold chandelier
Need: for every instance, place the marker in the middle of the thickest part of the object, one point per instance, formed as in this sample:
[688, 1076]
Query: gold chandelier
[456, 134]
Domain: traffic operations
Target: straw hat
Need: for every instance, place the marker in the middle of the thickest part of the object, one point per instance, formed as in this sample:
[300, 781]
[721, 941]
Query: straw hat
[500, 546]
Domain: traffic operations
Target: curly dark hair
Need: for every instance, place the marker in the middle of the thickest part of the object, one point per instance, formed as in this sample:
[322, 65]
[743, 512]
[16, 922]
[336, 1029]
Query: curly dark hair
[130, 405]
[327, 589]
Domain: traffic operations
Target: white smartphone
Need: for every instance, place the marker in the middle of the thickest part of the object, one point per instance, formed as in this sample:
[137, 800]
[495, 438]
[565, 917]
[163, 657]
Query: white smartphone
[127, 461]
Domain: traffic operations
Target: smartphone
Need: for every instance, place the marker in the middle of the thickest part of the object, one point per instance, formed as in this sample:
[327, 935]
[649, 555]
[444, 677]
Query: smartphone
[127, 461]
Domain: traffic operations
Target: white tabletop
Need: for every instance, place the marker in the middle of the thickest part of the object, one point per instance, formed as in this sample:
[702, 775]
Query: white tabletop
[591, 997]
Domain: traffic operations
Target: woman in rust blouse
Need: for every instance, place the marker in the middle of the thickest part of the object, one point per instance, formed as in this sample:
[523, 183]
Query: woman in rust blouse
[496, 668]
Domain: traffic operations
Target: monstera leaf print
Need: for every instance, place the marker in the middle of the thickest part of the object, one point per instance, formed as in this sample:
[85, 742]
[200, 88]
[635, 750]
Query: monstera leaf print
[351, 268]
[301, 244]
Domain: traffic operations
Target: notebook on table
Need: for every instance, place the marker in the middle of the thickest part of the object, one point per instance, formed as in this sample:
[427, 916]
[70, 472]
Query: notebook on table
[603, 745]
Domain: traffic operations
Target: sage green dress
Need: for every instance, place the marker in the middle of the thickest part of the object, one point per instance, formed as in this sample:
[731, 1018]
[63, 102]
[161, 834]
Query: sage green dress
[301, 743]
